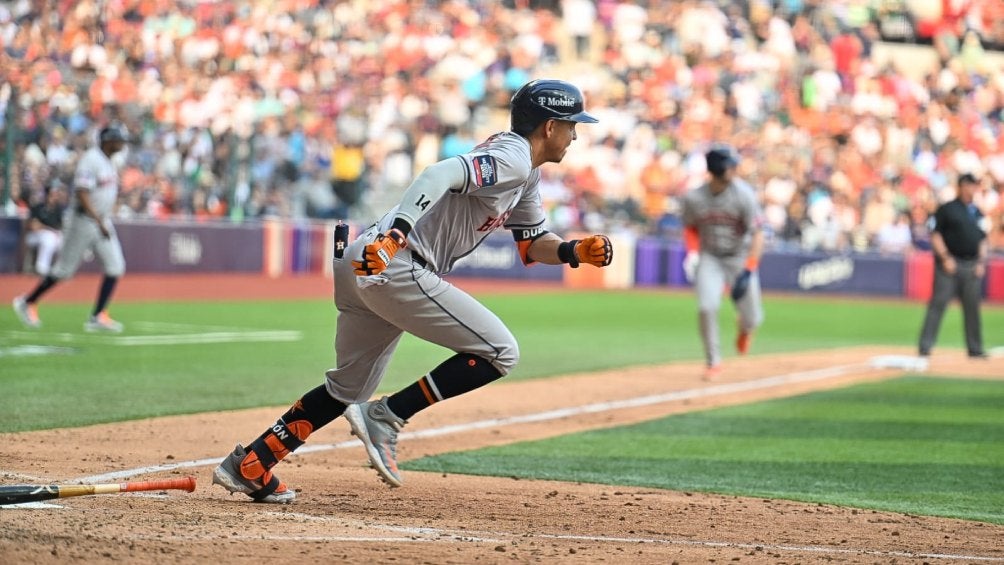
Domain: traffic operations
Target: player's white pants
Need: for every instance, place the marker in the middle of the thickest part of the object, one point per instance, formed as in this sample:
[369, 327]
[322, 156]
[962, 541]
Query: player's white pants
[81, 233]
[713, 275]
[46, 243]
[416, 300]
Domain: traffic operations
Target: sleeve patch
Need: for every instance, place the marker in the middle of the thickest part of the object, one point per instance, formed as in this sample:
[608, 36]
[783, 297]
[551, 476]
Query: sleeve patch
[485, 170]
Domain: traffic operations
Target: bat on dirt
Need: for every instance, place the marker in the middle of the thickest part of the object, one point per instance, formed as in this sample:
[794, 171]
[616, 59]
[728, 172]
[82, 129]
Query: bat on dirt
[17, 494]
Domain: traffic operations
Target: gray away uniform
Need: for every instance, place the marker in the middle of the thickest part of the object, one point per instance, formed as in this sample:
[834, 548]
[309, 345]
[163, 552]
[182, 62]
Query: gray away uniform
[725, 224]
[97, 175]
[500, 191]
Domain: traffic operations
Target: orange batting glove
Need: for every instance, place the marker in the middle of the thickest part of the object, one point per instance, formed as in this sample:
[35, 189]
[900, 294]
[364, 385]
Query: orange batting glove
[595, 250]
[377, 255]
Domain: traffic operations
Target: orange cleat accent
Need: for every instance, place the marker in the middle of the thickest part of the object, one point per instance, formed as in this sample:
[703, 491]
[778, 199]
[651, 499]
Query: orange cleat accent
[743, 342]
[26, 312]
[102, 322]
[241, 471]
[712, 373]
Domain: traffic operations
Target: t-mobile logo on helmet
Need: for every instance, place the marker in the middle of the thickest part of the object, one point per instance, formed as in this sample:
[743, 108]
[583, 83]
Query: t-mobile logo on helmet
[555, 101]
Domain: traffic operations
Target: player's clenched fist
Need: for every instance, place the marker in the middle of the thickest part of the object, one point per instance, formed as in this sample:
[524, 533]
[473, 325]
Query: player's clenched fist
[377, 255]
[595, 250]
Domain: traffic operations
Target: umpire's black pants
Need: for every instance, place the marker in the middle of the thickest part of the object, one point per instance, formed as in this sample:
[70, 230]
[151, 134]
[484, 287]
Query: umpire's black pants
[965, 285]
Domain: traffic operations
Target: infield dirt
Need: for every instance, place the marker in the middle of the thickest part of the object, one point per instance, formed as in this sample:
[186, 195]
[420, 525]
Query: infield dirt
[343, 514]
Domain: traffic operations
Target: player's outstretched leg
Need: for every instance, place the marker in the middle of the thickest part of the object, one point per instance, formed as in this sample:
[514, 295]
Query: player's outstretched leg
[242, 472]
[249, 470]
[26, 312]
[377, 427]
[102, 322]
[377, 424]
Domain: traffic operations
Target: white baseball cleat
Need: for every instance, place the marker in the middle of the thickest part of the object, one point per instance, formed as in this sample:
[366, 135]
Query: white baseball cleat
[26, 312]
[102, 323]
[377, 427]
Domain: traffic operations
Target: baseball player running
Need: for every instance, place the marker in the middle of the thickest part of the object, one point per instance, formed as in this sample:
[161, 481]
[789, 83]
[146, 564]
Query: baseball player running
[45, 225]
[393, 284]
[722, 233]
[87, 226]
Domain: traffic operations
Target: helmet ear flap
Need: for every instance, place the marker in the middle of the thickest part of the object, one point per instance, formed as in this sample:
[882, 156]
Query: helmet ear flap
[521, 121]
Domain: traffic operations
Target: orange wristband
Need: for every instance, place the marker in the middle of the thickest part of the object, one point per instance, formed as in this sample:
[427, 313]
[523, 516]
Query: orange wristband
[752, 263]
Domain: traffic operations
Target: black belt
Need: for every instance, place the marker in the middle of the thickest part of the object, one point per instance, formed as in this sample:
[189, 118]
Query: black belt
[419, 260]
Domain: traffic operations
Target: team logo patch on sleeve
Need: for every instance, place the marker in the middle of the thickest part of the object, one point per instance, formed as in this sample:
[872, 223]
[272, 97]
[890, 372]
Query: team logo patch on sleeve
[485, 170]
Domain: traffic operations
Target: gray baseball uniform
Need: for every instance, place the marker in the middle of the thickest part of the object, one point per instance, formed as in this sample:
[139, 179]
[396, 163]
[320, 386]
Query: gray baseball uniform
[500, 191]
[388, 281]
[725, 224]
[98, 176]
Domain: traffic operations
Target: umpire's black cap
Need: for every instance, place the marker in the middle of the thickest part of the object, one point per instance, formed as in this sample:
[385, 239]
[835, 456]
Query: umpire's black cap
[113, 132]
[721, 158]
[547, 99]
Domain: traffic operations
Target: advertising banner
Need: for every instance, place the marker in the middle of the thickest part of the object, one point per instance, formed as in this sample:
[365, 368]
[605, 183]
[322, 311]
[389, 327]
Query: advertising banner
[660, 263]
[151, 247]
[10, 245]
[820, 272]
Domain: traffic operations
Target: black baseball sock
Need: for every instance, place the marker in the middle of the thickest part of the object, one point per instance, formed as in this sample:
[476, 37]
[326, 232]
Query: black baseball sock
[312, 412]
[459, 374]
[105, 294]
[43, 286]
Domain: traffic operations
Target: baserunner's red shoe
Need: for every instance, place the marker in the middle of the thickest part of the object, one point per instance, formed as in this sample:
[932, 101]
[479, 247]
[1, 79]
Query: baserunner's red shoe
[743, 342]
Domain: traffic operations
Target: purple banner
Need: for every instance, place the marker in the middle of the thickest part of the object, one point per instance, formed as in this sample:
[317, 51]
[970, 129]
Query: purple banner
[171, 247]
[302, 248]
[660, 263]
[819, 272]
[10, 245]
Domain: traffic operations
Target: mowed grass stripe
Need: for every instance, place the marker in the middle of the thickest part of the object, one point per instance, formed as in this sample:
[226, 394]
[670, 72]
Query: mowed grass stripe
[898, 459]
[821, 429]
[771, 448]
[97, 380]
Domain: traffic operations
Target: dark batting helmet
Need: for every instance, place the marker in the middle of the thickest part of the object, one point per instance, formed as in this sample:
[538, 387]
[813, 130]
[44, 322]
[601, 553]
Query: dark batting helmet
[547, 99]
[113, 132]
[721, 158]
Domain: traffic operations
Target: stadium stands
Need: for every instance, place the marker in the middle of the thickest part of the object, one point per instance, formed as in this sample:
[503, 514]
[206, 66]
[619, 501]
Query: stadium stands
[849, 113]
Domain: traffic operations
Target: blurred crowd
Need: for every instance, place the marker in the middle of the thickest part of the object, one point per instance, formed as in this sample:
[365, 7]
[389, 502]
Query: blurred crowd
[307, 109]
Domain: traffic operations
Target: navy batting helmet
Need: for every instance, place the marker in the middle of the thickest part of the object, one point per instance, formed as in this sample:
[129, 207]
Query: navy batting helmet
[721, 158]
[113, 132]
[547, 99]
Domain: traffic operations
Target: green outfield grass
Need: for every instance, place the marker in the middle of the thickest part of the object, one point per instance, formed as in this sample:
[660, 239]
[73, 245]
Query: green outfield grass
[278, 350]
[916, 445]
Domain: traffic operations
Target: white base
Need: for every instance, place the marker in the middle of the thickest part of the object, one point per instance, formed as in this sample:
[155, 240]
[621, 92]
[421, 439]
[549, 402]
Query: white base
[906, 362]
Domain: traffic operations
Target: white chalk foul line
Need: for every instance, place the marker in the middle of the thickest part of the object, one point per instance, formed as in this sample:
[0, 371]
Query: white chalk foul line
[159, 326]
[427, 535]
[269, 336]
[687, 394]
[209, 337]
[30, 506]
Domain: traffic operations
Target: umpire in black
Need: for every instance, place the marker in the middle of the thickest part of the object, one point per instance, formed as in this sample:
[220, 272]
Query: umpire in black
[960, 250]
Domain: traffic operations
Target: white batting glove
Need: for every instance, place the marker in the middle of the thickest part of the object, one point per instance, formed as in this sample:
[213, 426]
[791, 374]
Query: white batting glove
[690, 265]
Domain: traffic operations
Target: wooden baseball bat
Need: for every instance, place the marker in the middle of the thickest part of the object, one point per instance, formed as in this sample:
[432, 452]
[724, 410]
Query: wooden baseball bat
[17, 494]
